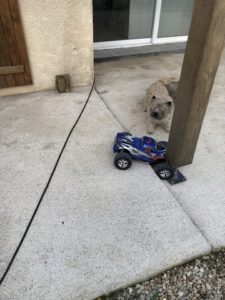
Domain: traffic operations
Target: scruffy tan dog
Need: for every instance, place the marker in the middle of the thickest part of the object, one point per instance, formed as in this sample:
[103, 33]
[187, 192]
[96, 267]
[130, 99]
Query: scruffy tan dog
[159, 103]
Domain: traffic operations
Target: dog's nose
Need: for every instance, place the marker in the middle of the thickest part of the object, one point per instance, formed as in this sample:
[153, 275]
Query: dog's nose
[155, 114]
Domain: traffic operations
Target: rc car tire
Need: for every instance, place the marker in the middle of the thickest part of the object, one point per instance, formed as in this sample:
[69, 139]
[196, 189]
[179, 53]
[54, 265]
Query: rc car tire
[163, 144]
[123, 161]
[164, 170]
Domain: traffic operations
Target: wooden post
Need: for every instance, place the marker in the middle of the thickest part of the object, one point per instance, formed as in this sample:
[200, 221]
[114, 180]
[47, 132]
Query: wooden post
[204, 48]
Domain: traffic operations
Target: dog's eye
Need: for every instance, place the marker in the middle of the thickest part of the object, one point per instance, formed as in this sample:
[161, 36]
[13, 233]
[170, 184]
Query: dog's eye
[153, 97]
[169, 103]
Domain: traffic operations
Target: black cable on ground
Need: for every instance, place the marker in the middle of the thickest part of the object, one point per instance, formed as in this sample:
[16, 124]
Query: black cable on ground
[47, 185]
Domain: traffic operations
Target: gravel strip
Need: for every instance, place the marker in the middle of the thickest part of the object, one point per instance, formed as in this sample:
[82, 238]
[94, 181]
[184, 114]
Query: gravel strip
[201, 279]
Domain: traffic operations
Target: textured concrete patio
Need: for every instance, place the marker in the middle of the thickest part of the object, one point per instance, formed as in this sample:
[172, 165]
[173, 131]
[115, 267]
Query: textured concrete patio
[203, 195]
[99, 229]
[33, 128]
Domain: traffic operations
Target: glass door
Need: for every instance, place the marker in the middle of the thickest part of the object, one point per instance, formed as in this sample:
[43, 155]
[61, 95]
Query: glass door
[141, 15]
[111, 20]
[122, 22]
[172, 20]
[126, 23]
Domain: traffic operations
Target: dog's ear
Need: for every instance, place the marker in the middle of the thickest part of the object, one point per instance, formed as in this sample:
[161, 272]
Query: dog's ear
[172, 88]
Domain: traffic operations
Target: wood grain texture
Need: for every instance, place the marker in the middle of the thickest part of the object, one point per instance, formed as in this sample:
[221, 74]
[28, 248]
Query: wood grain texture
[202, 56]
[11, 70]
[9, 80]
[3, 83]
[12, 46]
[21, 43]
[10, 38]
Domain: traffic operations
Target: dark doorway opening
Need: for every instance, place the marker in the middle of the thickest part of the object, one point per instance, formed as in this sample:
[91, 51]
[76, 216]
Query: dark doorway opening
[111, 20]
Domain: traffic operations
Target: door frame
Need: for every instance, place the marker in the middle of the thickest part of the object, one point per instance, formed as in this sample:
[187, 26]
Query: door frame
[154, 40]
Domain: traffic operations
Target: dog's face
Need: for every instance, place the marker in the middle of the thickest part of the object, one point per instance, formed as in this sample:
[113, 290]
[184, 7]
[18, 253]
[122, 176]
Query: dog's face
[160, 108]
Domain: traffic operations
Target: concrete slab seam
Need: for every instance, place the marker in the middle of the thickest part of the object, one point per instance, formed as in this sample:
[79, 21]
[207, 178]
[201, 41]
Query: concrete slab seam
[108, 107]
[189, 216]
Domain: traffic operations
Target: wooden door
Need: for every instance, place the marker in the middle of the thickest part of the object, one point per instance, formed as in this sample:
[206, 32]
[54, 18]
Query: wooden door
[14, 64]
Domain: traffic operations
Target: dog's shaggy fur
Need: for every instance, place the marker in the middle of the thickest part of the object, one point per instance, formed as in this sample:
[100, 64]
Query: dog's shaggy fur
[159, 103]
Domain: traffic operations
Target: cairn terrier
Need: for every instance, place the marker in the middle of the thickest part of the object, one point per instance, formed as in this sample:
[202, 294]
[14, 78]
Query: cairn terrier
[159, 103]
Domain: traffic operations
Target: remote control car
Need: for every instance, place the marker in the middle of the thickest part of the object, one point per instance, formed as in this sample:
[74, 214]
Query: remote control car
[128, 147]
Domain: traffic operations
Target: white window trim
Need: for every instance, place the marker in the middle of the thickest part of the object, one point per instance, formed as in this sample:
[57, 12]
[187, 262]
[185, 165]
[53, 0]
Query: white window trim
[168, 40]
[122, 44]
[156, 20]
[146, 41]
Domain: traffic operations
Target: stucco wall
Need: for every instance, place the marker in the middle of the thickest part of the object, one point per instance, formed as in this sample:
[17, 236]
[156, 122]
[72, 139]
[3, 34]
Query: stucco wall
[59, 38]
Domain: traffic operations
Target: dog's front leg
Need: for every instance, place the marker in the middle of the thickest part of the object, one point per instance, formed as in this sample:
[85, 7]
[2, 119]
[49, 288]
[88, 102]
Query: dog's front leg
[145, 104]
[151, 127]
[166, 126]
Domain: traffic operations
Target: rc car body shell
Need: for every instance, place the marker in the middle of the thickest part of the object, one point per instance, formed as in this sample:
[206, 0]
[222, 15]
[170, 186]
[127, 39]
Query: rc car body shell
[144, 148]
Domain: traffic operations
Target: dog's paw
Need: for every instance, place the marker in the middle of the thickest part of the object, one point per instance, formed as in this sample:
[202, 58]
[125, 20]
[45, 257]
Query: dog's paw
[150, 129]
[167, 128]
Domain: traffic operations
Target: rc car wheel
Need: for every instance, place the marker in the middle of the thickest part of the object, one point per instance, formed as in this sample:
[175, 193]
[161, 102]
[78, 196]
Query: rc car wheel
[123, 161]
[162, 145]
[164, 170]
